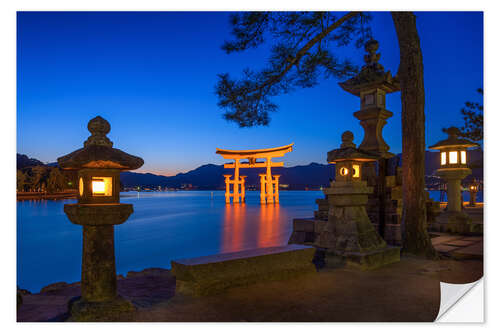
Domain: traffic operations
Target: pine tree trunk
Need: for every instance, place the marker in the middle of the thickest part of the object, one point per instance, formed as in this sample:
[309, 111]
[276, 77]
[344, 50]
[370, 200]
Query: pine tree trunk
[416, 240]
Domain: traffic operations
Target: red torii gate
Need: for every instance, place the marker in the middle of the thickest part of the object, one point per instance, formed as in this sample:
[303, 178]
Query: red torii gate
[269, 184]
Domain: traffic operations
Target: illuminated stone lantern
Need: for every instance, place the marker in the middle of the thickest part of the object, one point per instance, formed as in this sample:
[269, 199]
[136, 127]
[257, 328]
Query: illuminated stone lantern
[473, 189]
[349, 236]
[454, 168]
[98, 167]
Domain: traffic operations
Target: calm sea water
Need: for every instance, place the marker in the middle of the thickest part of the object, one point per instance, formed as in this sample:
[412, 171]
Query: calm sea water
[164, 226]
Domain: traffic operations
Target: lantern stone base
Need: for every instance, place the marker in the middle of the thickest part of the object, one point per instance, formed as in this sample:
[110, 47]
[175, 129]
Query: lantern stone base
[81, 310]
[349, 237]
[455, 222]
[364, 261]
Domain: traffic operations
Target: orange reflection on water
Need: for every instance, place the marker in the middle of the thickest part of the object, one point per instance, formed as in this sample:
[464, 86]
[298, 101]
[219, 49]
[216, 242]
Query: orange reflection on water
[251, 227]
[268, 224]
[234, 225]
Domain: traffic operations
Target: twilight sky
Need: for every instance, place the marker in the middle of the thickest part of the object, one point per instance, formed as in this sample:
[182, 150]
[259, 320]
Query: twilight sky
[152, 76]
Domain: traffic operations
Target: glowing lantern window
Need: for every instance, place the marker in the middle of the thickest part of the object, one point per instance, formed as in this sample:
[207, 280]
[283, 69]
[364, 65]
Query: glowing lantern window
[453, 157]
[344, 171]
[355, 168]
[443, 158]
[101, 186]
[463, 157]
[80, 186]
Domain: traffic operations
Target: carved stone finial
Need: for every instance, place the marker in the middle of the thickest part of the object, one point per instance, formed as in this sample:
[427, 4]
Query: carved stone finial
[347, 138]
[99, 127]
[452, 132]
[371, 47]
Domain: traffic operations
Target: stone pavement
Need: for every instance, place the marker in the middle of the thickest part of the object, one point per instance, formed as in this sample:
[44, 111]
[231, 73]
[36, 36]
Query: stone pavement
[458, 246]
[403, 291]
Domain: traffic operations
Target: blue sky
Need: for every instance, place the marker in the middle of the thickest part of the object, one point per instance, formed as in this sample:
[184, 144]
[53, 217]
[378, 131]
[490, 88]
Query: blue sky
[152, 76]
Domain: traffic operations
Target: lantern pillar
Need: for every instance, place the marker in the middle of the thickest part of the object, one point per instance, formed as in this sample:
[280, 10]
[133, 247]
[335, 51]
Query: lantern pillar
[454, 219]
[98, 280]
[473, 189]
[472, 202]
[453, 180]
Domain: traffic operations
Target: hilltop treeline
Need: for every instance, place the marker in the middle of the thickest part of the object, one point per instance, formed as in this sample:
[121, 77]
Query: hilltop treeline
[34, 176]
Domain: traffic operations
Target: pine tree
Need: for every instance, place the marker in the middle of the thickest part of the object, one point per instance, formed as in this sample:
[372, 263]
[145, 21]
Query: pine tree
[473, 118]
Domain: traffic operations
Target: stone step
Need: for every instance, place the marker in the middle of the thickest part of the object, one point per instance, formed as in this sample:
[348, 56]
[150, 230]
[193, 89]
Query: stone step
[213, 274]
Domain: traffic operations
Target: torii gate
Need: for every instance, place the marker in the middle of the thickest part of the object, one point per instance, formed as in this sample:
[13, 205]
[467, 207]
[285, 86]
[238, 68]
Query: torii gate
[269, 189]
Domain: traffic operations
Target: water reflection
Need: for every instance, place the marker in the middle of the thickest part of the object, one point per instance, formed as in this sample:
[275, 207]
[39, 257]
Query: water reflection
[233, 228]
[252, 227]
[268, 224]
[163, 227]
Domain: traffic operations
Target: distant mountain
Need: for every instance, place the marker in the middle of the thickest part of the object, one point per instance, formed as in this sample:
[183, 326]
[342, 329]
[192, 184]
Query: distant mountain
[24, 161]
[211, 176]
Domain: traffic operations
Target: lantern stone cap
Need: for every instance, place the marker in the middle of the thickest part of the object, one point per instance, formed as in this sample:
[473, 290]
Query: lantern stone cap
[98, 214]
[453, 173]
[372, 74]
[349, 152]
[348, 188]
[453, 141]
[98, 151]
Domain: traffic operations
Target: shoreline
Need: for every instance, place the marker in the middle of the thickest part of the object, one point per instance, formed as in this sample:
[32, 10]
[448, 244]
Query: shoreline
[20, 196]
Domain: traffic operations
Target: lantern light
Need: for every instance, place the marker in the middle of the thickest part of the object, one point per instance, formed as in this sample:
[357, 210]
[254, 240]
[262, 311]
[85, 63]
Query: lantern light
[349, 159]
[98, 187]
[102, 186]
[453, 150]
[356, 173]
[453, 157]
[473, 189]
[80, 186]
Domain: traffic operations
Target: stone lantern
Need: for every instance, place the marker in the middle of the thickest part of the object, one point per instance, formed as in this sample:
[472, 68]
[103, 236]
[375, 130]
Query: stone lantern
[349, 236]
[454, 168]
[371, 85]
[473, 189]
[98, 166]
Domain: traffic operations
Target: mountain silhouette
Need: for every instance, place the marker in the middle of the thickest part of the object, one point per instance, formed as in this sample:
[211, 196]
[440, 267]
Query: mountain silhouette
[211, 176]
